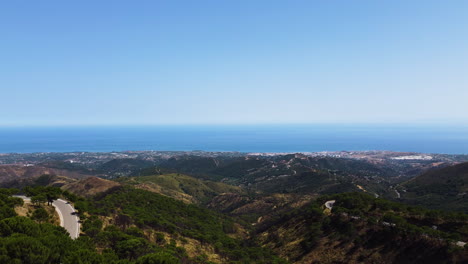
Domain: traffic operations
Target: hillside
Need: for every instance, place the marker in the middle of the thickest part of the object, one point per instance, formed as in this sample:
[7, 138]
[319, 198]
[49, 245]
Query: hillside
[126, 225]
[181, 187]
[12, 175]
[90, 186]
[362, 229]
[375, 172]
[139, 226]
[246, 209]
[295, 173]
[123, 167]
[256, 209]
[444, 189]
[198, 235]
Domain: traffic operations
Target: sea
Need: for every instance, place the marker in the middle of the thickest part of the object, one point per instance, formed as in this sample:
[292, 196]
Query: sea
[242, 138]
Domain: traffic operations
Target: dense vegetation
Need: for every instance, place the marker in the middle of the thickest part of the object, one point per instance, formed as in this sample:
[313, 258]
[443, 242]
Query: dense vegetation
[281, 174]
[136, 234]
[150, 211]
[276, 218]
[361, 227]
[23, 240]
[444, 189]
[119, 167]
[181, 187]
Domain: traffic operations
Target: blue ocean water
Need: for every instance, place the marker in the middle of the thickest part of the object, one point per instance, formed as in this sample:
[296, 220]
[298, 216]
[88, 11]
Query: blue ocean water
[249, 138]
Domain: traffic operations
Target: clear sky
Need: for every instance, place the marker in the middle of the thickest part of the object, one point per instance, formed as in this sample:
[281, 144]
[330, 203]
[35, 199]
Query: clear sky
[239, 62]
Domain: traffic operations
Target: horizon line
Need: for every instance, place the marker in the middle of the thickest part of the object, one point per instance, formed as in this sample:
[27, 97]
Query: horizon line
[333, 123]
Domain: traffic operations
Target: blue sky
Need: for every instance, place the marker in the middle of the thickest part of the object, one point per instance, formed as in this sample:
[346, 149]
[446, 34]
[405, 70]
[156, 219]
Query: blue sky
[233, 62]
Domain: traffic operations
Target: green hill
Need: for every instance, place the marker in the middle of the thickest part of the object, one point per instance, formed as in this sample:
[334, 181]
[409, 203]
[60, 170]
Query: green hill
[199, 235]
[123, 167]
[181, 187]
[294, 173]
[444, 189]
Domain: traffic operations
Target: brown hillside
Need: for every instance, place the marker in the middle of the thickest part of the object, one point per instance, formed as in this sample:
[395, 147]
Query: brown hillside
[9, 173]
[90, 186]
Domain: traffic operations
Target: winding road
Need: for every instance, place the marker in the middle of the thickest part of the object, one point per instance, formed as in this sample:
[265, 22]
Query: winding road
[68, 218]
[329, 204]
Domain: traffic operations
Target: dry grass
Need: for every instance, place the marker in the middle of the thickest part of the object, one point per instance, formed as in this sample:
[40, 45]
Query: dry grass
[28, 208]
[25, 210]
[193, 247]
[90, 186]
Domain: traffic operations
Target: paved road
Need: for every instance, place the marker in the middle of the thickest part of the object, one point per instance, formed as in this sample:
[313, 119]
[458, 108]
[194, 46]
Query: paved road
[68, 219]
[329, 204]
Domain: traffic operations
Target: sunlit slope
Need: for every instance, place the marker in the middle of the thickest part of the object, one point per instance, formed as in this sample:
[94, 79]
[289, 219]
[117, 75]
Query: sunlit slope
[181, 187]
